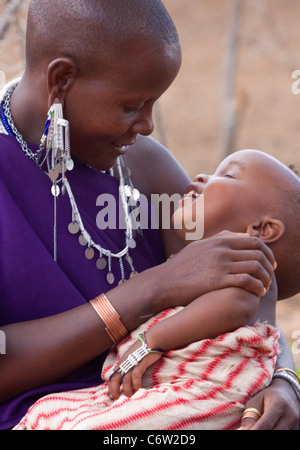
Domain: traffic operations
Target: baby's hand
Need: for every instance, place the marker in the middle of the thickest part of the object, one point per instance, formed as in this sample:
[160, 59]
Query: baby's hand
[132, 380]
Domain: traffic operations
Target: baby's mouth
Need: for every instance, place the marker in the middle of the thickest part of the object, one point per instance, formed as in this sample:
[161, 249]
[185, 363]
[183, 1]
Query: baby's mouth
[192, 192]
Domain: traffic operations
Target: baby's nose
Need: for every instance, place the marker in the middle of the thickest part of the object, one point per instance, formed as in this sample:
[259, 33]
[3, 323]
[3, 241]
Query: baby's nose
[202, 178]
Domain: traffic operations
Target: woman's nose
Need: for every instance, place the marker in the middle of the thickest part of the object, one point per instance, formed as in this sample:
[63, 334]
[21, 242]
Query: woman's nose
[144, 123]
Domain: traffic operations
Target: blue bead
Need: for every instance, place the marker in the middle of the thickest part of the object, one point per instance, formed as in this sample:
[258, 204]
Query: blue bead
[47, 125]
[4, 121]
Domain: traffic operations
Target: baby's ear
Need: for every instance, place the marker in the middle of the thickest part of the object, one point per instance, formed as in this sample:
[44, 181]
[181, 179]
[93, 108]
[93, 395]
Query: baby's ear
[268, 230]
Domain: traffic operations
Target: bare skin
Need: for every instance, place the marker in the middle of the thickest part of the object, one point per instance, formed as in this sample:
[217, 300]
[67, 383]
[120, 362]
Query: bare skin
[237, 185]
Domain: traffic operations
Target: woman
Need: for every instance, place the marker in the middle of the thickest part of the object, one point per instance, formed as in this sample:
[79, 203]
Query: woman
[106, 65]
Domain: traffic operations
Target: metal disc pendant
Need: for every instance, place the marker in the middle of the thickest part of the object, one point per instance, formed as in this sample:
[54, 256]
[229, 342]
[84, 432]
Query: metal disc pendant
[110, 278]
[89, 253]
[55, 190]
[131, 243]
[82, 240]
[121, 282]
[73, 228]
[70, 164]
[136, 194]
[101, 263]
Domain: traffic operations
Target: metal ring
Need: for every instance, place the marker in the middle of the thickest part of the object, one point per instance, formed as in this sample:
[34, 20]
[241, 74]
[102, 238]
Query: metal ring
[252, 413]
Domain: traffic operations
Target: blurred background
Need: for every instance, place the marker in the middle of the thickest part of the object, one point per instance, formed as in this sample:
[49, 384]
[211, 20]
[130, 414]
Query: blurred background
[235, 90]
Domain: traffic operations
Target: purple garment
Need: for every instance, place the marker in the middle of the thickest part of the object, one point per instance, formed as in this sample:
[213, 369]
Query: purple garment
[32, 284]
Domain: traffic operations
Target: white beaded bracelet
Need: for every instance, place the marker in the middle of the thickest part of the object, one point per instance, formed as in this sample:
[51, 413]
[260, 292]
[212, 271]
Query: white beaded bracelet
[135, 357]
[286, 376]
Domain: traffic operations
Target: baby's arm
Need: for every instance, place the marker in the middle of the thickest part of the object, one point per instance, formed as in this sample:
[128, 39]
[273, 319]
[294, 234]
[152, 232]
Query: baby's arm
[206, 317]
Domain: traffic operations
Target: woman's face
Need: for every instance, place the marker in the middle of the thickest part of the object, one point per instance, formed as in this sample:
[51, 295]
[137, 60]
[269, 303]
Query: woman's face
[108, 110]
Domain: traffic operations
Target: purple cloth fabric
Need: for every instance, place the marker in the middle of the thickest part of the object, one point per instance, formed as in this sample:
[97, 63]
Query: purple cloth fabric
[32, 285]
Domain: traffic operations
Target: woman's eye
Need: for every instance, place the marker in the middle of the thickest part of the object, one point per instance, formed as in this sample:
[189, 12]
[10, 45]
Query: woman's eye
[129, 109]
[132, 109]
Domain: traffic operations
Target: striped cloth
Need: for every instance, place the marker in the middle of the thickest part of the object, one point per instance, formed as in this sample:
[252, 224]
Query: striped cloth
[202, 386]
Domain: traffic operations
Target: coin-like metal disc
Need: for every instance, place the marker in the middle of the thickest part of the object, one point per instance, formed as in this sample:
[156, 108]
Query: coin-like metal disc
[89, 253]
[110, 278]
[70, 164]
[73, 228]
[82, 240]
[101, 263]
[55, 190]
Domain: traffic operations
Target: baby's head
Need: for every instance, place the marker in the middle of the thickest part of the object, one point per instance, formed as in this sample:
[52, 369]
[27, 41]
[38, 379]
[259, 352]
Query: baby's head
[250, 192]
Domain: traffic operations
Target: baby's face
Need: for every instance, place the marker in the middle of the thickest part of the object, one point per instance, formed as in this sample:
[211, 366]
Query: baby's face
[234, 197]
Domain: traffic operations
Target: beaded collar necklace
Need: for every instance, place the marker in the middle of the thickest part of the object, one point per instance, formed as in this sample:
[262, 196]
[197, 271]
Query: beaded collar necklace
[57, 166]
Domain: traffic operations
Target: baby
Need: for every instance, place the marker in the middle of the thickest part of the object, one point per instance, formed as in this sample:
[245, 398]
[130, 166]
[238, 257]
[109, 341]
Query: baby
[196, 367]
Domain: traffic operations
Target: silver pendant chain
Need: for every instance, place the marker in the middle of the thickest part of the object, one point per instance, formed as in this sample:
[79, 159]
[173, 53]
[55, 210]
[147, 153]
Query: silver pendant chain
[128, 197]
[6, 107]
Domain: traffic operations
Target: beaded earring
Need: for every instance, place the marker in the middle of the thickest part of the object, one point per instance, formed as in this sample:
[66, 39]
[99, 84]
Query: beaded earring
[56, 142]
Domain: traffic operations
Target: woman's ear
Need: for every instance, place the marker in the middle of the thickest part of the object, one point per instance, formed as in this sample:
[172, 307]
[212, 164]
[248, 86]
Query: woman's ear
[269, 230]
[61, 75]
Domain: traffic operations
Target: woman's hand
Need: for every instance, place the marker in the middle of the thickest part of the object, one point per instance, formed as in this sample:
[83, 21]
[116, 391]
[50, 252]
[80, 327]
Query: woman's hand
[279, 406]
[225, 260]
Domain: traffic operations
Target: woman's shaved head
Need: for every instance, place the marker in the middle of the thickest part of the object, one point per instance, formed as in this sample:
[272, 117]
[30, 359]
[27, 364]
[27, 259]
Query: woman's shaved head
[95, 31]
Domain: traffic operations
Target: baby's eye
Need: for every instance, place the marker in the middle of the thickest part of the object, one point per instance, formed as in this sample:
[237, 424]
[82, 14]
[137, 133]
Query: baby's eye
[228, 175]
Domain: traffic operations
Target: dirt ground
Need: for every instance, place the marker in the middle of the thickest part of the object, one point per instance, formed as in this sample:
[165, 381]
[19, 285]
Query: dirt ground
[190, 116]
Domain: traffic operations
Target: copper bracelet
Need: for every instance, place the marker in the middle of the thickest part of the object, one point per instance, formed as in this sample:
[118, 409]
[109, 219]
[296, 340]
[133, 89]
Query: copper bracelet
[113, 325]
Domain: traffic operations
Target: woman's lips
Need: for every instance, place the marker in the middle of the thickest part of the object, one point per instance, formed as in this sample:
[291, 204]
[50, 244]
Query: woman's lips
[123, 146]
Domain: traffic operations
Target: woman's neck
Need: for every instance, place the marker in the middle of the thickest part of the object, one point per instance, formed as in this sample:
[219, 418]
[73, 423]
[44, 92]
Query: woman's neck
[27, 109]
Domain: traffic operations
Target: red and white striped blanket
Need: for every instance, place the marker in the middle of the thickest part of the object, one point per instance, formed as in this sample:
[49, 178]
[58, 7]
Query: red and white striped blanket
[202, 386]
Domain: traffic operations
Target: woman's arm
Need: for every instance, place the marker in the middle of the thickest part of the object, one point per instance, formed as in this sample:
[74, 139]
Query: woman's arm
[44, 350]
